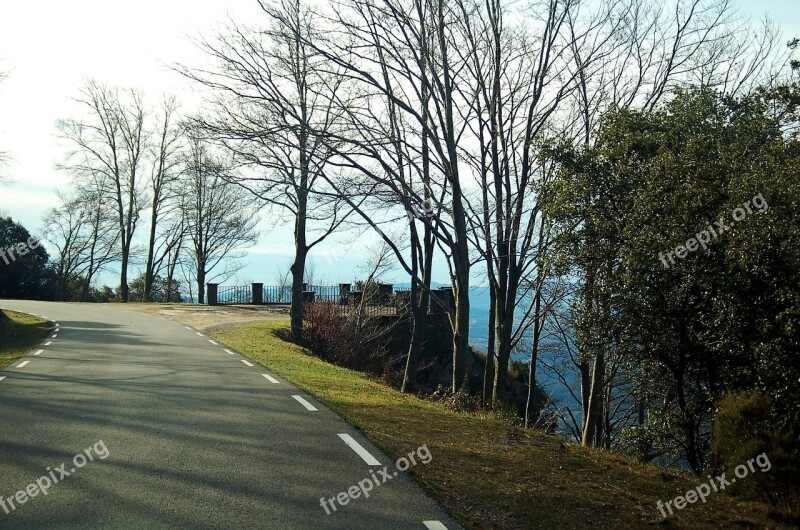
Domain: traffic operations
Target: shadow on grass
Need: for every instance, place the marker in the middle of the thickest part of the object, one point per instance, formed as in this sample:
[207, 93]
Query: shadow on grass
[19, 333]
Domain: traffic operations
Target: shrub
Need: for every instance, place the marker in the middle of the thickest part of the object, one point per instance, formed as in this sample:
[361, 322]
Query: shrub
[346, 337]
[743, 428]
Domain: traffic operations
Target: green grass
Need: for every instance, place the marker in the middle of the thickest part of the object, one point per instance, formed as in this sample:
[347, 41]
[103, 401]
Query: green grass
[19, 333]
[488, 473]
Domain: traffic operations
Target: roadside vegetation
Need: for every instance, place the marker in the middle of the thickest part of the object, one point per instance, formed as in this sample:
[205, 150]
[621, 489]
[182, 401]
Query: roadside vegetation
[18, 334]
[488, 472]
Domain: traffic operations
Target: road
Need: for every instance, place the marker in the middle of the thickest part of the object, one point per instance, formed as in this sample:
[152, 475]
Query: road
[180, 433]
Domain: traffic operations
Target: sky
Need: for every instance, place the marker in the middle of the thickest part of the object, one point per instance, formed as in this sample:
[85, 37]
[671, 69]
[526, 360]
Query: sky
[49, 48]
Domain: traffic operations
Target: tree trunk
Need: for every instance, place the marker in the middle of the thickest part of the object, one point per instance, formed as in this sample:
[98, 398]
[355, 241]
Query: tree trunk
[417, 330]
[505, 324]
[149, 273]
[537, 331]
[201, 284]
[296, 309]
[591, 420]
[491, 358]
[123, 278]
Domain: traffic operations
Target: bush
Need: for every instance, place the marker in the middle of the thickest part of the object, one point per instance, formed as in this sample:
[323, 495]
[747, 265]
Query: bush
[347, 338]
[744, 428]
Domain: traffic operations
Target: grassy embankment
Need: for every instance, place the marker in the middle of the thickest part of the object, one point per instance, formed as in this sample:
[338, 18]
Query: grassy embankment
[488, 473]
[19, 333]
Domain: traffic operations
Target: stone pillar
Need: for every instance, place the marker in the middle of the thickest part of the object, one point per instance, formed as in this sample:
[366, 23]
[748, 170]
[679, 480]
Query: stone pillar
[385, 291]
[211, 293]
[258, 293]
[344, 292]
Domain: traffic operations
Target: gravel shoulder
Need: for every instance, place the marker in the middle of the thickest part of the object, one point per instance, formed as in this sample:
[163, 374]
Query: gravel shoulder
[209, 318]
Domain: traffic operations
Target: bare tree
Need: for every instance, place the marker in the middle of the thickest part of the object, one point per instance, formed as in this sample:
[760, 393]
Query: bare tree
[219, 216]
[165, 155]
[272, 111]
[403, 139]
[85, 235]
[109, 150]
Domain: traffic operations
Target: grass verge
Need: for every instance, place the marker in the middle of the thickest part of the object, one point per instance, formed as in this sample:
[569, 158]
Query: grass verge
[19, 333]
[488, 473]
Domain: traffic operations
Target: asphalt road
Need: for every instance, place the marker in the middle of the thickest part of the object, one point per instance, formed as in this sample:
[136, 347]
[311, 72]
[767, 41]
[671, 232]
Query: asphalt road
[180, 433]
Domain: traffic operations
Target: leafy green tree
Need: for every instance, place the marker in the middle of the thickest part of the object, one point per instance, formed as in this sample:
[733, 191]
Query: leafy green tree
[22, 262]
[686, 237]
[161, 290]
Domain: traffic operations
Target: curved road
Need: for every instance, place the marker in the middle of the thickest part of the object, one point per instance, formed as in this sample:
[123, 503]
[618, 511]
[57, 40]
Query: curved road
[164, 429]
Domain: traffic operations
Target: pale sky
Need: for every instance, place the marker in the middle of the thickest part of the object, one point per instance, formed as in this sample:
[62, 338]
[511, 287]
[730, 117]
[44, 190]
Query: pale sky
[49, 47]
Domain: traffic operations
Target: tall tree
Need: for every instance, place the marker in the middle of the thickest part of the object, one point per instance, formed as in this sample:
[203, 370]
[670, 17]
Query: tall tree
[273, 108]
[85, 234]
[693, 313]
[401, 54]
[109, 153]
[165, 156]
[219, 216]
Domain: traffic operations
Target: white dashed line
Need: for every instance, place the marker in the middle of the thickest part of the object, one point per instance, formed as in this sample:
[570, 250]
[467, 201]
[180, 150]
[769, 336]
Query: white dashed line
[54, 336]
[305, 403]
[187, 327]
[198, 333]
[270, 378]
[248, 363]
[212, 342]
[2, 377]
[48, 343]
[360, 451]
[434, 525]
[228, 351]
[38, 352]
[23, 363]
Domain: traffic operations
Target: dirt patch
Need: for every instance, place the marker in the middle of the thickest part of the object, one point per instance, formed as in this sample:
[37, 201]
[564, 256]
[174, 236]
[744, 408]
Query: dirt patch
[204, 318]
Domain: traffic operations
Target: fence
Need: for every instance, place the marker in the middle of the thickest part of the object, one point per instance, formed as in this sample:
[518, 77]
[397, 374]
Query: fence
[378, 299]
[233, 295]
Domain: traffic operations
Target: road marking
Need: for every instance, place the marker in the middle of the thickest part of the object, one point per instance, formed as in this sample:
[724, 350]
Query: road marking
[212, 342]
[187, 327]
[48, 343]
[270, 378]
[434, 525]
[23, 363]
[248, 363]
[305, 403]
[2, 377]
[228, 351]
[360, 451]
[55, 336]
[198, 333]
[38, 352]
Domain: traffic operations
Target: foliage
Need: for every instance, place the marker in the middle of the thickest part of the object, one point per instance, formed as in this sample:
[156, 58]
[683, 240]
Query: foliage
[23, 274]
[723, 317]
[162, 290]
[744, 427]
